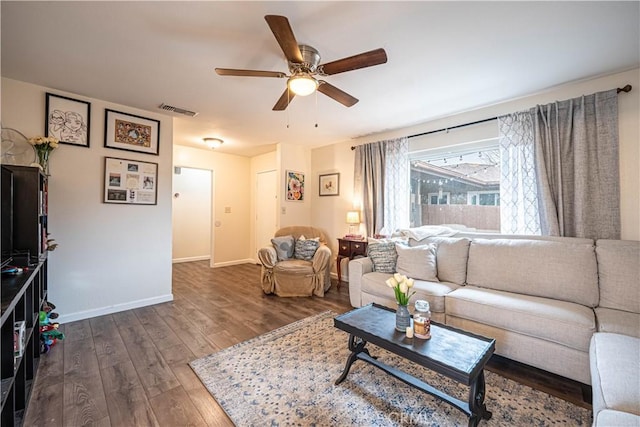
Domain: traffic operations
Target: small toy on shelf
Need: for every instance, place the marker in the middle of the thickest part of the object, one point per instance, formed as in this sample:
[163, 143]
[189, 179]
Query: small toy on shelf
[49, 333]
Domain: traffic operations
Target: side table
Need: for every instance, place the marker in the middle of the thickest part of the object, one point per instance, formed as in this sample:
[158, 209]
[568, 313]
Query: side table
[348, 248]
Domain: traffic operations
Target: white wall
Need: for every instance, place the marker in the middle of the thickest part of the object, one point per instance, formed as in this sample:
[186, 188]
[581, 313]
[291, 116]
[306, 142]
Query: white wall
[295, 158]
[232, 183]
[329, 212]
[110, 257]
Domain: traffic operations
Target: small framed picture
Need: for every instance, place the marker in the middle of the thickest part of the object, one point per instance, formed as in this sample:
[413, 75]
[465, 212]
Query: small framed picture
[329, 184]
[67, 119]
[295, 186]
[129, 132]
[130, 182]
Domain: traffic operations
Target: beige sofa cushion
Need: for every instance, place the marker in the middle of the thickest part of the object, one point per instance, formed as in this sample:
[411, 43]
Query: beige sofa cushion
[558, 270]
[619, 271]
[451, 257]
[561, 322]
[618, 321]
[434, 292]
[611, 418]
[615, 377]
[417, 262]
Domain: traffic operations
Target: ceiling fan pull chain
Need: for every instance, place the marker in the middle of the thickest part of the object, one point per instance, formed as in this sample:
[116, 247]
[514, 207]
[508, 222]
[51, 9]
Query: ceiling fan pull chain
[316, 109]
[288, 101]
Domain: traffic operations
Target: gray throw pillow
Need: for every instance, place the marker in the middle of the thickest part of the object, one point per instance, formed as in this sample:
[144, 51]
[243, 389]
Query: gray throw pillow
[305, 249]
[383, 256]
[418, 262]
[284, 246]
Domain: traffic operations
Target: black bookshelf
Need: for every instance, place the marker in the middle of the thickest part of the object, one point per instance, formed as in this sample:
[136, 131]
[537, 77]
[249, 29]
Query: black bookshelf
[23, 292]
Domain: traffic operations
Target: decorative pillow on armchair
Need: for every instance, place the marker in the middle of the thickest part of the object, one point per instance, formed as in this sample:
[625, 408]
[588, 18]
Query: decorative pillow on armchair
[383, 255]
[284, 247]
[306, 249]
[418, 262]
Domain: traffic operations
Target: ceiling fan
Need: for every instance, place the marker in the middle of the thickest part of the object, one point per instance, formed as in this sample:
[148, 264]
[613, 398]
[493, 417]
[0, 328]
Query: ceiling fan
[305, 67]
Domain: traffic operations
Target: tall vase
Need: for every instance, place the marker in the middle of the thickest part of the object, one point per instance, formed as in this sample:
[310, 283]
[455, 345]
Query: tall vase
[43, 160]
[403, 318]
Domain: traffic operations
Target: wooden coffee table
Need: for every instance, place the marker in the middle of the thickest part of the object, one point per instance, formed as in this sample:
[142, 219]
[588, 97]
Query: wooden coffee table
[452, 352]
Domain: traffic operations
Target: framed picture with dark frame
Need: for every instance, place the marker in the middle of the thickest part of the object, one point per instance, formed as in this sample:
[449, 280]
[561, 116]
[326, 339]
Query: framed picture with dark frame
[329, 184]
[129, 132]
[67, 119]
[130, 182]
[294, 186]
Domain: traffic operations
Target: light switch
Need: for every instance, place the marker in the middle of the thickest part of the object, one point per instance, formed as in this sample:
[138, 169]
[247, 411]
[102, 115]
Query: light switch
[283, 210]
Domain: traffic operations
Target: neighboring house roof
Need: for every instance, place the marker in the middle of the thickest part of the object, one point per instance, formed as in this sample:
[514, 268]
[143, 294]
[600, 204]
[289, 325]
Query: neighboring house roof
[470, 173]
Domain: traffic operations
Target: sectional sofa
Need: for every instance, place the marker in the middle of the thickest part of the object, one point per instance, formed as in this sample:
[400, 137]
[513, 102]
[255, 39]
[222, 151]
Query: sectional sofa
[549, 302]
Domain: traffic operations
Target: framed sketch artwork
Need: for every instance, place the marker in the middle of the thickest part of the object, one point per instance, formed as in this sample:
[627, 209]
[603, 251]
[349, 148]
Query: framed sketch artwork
[329, 184]
[67, 119]
[131, 133]
[130, 182]
[295, 186]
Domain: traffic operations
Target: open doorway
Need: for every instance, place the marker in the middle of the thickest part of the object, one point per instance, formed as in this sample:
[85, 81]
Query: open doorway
[192, 214]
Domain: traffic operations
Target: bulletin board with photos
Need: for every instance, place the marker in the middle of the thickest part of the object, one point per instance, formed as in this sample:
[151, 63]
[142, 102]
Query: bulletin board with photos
[130, 182]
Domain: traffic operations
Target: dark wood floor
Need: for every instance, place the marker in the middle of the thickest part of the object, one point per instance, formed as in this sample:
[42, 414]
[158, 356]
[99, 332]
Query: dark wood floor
[130, 368]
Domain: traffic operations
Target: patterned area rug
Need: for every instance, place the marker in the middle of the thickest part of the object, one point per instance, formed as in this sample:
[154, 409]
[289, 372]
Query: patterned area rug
[286, 377]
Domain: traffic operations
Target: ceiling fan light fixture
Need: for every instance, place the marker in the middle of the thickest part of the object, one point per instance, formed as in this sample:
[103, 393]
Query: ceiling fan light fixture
[302, 84]
[213, 143]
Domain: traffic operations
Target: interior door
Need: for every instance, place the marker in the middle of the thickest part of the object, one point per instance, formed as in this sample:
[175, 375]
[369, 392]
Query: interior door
[192, 210]
[266, 208]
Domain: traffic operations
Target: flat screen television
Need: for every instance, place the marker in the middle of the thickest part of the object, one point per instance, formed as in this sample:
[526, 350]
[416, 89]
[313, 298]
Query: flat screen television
[6, 236]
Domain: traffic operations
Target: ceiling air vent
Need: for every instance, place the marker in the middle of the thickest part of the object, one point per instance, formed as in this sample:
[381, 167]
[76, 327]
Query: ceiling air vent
[177, 110]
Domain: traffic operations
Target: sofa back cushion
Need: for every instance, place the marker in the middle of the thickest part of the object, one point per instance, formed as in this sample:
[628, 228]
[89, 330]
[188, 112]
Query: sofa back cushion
[551, 269]
[418, 262]
[619, 274]
[451, 257]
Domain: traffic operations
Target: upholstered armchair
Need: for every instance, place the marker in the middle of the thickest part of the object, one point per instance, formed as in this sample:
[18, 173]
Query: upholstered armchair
[288, 273]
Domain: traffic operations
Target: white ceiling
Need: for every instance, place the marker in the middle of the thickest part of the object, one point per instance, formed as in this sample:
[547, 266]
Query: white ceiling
[444, 57]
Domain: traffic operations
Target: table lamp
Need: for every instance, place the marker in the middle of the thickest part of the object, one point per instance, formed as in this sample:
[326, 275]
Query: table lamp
[353, 219]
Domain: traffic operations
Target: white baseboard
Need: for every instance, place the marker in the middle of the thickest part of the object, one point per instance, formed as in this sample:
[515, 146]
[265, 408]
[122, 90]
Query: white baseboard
[236, 262]
[191, 258]
[81, 315]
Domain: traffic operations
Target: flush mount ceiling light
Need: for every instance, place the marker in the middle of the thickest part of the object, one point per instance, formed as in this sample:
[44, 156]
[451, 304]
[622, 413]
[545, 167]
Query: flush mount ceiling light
[213, 142]
[302, 84]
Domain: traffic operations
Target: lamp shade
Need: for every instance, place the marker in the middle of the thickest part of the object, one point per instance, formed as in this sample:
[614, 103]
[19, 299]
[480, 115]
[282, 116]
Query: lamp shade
[302, 84]
[353, 217]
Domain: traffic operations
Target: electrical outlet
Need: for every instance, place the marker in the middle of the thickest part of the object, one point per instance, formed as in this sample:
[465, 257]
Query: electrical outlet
[227, 209]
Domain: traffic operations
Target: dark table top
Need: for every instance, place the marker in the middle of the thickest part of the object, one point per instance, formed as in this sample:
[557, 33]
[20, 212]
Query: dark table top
[452, 352]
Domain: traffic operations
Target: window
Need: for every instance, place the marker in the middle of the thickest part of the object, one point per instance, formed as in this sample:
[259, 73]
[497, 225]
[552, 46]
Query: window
[456, 185]
[438, 198]
[483, 198]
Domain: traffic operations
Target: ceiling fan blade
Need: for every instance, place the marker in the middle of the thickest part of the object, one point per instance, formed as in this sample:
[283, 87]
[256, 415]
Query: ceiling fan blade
[363, 60]
[284, 100]
[333, 92]
[284, 35]
[248, 73]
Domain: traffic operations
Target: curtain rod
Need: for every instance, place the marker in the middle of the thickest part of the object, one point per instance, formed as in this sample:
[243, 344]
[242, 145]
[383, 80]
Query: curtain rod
[626, 88]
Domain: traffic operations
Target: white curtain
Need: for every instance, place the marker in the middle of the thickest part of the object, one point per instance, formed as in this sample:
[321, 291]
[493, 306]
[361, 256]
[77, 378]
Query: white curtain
[519, 213]
[397, 185]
